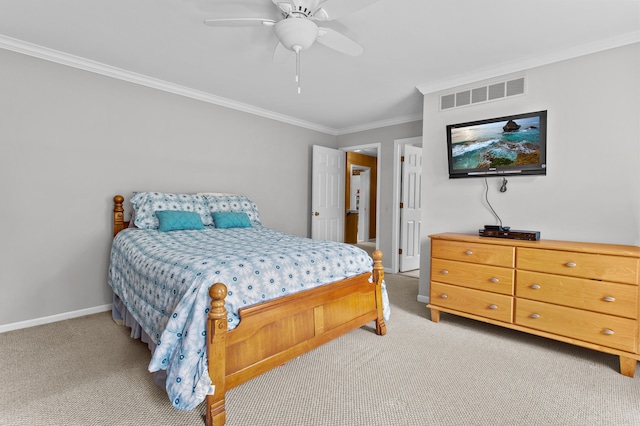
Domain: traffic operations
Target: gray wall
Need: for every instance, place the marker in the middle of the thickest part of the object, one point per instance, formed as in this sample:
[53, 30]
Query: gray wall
[592, 188]
[71, 140]
[385, 136]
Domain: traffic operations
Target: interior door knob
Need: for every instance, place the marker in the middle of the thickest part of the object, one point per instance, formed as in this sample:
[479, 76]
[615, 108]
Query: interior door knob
[316, 213]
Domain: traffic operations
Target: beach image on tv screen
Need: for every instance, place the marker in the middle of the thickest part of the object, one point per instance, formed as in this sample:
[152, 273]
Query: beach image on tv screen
[500, 144]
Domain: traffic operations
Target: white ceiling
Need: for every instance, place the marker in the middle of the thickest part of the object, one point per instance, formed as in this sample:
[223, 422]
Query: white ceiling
[409, 44]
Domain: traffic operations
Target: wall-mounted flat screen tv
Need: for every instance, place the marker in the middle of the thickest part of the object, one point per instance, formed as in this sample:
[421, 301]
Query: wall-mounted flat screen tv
[512, 145]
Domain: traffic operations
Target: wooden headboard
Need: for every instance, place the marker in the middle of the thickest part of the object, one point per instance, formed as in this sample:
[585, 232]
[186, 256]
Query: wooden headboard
[118, 215]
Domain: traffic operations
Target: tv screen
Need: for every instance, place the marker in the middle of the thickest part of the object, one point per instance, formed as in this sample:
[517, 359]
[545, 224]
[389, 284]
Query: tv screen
[512, 145]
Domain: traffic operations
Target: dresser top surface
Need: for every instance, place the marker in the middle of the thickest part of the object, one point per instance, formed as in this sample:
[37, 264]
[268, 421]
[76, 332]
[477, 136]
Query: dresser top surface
[585, 247]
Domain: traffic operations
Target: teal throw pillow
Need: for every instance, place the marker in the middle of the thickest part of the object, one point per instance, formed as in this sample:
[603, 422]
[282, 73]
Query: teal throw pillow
[175, 220]
[231, 220]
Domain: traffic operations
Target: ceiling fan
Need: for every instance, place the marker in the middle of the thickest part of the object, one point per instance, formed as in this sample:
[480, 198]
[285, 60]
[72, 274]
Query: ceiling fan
[294, 25]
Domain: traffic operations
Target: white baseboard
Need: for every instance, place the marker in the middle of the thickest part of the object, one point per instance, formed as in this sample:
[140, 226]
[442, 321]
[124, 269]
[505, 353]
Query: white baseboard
[54, 318]
[423, 299]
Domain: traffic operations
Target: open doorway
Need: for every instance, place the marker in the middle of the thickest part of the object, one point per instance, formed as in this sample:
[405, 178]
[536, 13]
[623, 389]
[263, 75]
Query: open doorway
[362, 196]
[359, 205]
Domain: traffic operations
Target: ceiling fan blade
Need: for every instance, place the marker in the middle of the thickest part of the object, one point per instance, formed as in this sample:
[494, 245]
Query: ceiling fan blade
[334, 9]
[281, 54]
[235, 8]
[337, 41]
[285, 7]
[240, 22]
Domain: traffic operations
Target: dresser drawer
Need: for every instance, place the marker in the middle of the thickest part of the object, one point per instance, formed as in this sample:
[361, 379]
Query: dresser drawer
[601, 329]
[473, 252]
[585, 265]
[598, 296]
[481, 277]
[490, 305]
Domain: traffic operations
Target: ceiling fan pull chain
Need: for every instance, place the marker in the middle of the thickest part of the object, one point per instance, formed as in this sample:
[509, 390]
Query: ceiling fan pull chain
[298, 50]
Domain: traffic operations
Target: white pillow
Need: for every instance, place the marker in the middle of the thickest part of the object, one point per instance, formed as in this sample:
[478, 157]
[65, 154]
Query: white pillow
[146, 204]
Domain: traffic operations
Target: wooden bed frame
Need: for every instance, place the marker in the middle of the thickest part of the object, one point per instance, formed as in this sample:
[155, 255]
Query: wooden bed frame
[274, 332]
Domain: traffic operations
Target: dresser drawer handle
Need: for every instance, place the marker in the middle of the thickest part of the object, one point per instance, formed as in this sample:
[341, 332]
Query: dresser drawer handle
[493, 307]
[444, 271]
[535, 286]
[534, 316]
[571, 264]
[444, 296]
[468, 252]
[494, 280]
[608, 331]
[609, 299]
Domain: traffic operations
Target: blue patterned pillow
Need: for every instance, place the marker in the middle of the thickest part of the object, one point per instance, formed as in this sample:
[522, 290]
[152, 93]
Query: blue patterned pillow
[146, 204]
[234, 203]
[175, 220]
[226, 220]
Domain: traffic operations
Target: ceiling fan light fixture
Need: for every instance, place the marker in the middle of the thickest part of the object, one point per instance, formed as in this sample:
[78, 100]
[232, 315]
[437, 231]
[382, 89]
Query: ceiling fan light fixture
[297, 32]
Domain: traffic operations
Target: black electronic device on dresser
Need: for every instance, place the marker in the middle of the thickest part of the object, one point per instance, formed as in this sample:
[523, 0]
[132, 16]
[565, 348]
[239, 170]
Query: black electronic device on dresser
[497, 231]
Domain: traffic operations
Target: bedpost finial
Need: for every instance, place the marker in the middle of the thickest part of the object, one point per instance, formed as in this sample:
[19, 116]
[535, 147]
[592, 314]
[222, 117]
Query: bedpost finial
[217, 292]
[378, 269]
[118, 214]
[377, 261]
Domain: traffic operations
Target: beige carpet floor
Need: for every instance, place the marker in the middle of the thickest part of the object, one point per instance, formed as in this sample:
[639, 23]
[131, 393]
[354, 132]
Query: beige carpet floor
[88, 371]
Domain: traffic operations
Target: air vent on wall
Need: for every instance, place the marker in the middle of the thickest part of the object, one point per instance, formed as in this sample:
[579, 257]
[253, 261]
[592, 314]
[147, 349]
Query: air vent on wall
[491, 92]
[448, 101]
[479, 95]
[496, 91]
[515, 87]
[463, 98]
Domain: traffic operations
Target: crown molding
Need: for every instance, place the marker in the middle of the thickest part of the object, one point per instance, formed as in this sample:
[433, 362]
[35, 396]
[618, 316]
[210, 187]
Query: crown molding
[62, 58]
[381, 123]
[537, 61]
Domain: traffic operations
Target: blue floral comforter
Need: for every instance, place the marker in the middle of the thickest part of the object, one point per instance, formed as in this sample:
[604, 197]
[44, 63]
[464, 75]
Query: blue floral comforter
[164, 277]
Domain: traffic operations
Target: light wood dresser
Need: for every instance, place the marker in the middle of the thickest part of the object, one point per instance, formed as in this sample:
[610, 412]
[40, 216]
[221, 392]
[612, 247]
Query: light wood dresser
[585, 294]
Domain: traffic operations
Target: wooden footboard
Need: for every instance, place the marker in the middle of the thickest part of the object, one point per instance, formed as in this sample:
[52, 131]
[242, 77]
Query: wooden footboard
[272, 333]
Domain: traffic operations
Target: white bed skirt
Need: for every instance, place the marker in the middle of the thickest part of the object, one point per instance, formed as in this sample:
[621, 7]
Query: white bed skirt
[122, 316]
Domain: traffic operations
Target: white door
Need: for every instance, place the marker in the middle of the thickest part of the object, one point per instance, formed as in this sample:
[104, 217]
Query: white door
[410, 211]
[327, 194]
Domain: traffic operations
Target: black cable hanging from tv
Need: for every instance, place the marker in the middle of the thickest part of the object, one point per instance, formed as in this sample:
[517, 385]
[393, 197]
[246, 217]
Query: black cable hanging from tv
[486, 197]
